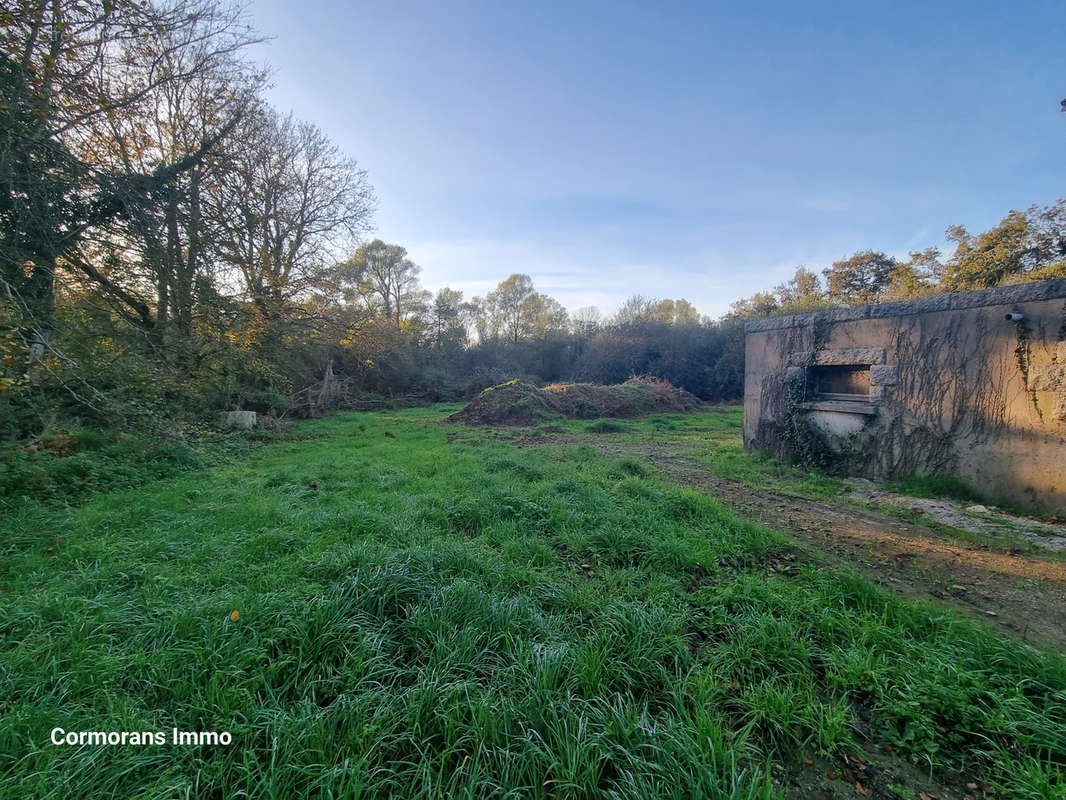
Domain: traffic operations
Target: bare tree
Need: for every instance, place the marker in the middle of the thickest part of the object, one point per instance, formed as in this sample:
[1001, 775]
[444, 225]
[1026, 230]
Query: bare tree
[636, 308]
[71, 68]
[171, 237]
[586, 321]
[289, 203]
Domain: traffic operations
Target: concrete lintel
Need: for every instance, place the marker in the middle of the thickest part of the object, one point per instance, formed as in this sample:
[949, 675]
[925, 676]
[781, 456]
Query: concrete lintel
[843, 357]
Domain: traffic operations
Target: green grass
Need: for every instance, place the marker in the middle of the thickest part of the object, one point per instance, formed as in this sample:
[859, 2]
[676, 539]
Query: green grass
[607, 426]
[87, 464]
[415, 621]
[67, 468]
[947, 487]
[714, 440]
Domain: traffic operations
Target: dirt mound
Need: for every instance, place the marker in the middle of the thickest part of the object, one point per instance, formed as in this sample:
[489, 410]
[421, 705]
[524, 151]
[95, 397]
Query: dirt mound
[518, 403]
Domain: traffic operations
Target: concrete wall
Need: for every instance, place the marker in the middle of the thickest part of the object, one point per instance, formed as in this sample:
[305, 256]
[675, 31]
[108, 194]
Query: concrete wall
[954, 387]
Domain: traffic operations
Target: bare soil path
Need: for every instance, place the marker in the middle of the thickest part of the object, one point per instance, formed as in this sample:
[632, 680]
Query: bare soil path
[1023, 593]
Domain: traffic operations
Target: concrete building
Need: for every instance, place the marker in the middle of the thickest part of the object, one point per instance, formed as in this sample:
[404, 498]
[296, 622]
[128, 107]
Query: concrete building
[971, 384]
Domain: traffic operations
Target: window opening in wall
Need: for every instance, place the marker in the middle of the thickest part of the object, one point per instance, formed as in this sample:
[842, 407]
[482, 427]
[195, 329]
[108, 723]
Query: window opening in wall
[847, 382]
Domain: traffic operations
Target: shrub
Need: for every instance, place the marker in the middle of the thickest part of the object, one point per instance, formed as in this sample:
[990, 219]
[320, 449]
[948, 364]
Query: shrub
[66, 468]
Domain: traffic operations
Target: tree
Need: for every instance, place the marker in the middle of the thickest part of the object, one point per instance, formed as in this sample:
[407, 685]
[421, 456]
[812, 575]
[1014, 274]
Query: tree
[801, 293]
[38, 204]
[915, 277]
[586, 320]
[543, 317]
[759, 305]
[384, 275]
[1047, 231]
[514, 311]
[288, 205]
[636, 308]
[79, 66]
[674, 312]
[482, 317]
[1024, 246]
[446, 315]
[989, 258]
[509, 304]
[177, 233]
[860, 278]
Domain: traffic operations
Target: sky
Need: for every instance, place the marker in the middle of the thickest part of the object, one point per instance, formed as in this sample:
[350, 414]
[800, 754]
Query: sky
[698, 150]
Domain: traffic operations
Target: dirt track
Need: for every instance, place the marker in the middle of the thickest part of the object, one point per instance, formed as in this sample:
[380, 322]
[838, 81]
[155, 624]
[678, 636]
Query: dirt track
[1022, 593]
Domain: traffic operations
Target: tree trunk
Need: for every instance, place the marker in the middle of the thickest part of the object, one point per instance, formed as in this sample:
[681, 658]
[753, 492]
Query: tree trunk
[40, 305]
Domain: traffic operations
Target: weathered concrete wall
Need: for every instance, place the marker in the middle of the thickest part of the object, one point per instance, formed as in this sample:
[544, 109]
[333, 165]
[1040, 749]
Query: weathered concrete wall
[954, 387]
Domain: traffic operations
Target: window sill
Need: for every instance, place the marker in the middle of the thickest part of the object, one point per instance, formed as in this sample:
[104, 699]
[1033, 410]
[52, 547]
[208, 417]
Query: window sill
[863, 407]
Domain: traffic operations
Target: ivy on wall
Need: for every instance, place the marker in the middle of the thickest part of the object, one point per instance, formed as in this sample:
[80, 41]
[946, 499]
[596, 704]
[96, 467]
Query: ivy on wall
[948, 392]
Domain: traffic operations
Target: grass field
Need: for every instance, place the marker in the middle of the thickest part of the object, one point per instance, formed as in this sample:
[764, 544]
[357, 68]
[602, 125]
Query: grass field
[396, 608]
[713, 440]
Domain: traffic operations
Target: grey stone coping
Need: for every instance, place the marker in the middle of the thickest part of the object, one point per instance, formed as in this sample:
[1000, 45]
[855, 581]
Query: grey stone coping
[955, 301]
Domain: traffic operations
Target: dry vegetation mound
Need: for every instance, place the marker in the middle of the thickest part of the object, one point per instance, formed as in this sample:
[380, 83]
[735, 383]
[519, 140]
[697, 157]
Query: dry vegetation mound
[519, 403]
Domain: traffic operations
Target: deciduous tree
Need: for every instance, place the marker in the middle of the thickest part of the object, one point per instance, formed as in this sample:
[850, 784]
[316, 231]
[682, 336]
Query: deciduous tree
[385, 277]
[288, 205]
[860, 278]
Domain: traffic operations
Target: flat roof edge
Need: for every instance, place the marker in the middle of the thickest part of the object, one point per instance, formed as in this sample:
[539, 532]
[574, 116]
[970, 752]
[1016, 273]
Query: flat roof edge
[955, 301]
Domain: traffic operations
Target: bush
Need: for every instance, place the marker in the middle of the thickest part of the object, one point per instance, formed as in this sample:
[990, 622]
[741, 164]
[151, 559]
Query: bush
[67, 468]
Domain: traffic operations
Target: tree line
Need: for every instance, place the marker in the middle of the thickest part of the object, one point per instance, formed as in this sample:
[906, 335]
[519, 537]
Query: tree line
[171, 246]
[1024, 246]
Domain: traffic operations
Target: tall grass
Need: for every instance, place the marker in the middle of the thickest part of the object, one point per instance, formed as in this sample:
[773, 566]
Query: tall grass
[420, 618]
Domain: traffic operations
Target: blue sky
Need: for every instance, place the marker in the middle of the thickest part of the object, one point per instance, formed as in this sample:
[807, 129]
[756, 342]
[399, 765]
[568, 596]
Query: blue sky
[697, 150]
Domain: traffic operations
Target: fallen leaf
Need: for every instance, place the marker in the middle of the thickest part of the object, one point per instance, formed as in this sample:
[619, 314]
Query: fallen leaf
[861, 789]
[831, 775]
[235, 615]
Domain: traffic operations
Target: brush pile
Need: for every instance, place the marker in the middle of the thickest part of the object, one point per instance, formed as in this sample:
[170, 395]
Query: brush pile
[520, 403]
